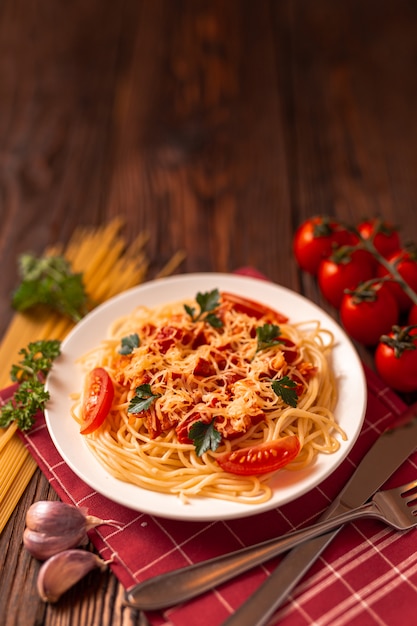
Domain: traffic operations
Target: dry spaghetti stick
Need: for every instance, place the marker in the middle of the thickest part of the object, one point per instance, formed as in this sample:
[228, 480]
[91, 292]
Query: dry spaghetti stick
[172, 265]
[12, 497]
[6, 435]
[12, 457]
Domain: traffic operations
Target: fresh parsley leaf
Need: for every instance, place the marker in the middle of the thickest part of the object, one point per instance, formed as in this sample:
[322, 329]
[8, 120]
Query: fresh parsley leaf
[143, 399]
[208, 302]
[285, 388]
[31, 395]
[205, 437]
[49, 281]
[129, 343]
[213, 320]
[29, 398]
[190, 310]
[37, 360]
[267, 336]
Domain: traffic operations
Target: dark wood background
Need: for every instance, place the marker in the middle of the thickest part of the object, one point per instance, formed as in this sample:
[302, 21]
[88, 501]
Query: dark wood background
[215, 125]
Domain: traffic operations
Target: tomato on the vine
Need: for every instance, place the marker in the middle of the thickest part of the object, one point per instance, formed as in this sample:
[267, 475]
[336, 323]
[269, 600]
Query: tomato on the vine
[368, 312]
[412, 315]
[384, 235]
[396, 358]
[261, 459]
[405, 263]
[315, 240]
[343, 270]
[97, 400]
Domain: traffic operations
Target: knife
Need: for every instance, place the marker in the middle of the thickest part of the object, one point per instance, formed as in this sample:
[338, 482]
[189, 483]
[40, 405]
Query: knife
[389, 451]
[385, 456]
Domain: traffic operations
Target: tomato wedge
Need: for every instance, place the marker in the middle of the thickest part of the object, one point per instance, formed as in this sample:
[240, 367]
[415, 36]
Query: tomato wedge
[252, 308]
[97, 401]
[261, 459]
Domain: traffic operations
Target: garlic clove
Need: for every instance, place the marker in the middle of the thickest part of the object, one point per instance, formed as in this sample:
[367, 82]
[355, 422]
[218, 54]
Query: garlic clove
[63, 570]
[42, 546]
[55, 517]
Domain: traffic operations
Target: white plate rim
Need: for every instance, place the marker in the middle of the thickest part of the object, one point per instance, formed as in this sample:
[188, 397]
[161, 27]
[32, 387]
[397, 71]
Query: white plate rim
[64, 431]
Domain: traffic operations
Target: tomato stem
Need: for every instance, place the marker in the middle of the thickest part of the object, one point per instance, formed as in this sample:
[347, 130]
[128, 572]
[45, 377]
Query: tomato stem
[400, 340]
[367, 244]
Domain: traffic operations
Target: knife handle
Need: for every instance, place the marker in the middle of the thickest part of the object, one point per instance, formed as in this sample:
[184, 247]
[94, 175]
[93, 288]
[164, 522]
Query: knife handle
[185, 583]
[262, 604]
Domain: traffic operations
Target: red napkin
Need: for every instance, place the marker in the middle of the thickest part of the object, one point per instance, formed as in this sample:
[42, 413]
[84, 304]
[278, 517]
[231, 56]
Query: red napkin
[368, 575]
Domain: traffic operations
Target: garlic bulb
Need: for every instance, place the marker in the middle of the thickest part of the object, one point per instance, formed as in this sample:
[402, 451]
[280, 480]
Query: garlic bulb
[54, 526]
[63, 570]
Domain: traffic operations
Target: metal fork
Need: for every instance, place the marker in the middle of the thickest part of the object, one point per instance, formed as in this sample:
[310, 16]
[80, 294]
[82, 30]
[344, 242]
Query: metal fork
[396, 507]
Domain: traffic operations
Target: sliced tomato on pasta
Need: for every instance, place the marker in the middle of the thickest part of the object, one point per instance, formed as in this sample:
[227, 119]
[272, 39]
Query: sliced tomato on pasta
[97, 400]
[252, 308]
[261, 459]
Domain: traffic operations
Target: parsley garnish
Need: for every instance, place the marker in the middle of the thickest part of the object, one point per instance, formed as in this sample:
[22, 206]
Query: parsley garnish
[205, 437]
[49, 281]
[129, 343]
[31, 395]
[285, 389]
[37, 360]
[267, 336]
[207, 302]
[143, 399]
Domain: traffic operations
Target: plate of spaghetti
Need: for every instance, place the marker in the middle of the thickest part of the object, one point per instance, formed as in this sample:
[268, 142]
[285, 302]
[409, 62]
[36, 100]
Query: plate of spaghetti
[205, 396]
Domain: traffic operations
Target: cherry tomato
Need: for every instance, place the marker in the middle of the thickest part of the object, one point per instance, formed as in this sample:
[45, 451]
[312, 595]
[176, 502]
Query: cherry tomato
[97, 400]
[396, 359]
[369, 314]
[252, 308]
[412, 315]
[406, 265]
[340, 272]
[261, 459]
[385, 236]
[315, 240]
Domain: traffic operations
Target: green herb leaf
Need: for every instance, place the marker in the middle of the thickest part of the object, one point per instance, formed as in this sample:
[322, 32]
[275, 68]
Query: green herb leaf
[37, 360]
[49, 281]
[205, 437]
[129, 343]
[267, 336]
[190, 310]
[285, 388]
[143, 399]
[208, 302]
[31, 395]
[213, 320]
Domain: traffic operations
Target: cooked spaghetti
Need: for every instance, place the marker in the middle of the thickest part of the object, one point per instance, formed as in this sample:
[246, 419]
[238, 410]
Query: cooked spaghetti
[224, 370]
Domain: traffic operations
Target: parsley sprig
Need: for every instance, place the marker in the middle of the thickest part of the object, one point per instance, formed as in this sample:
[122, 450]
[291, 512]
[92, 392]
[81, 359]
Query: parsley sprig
[50, 281]
[129, 343]
[207, 302]
[143, 399]
[268, 336]
[31, 395]
[285, 388]
[205, 437]
[36, 360]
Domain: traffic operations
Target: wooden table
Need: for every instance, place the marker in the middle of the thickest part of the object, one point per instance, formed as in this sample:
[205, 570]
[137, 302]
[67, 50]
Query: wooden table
[216, 127]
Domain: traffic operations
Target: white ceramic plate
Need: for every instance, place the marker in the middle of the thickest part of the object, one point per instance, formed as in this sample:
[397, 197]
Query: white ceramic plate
[65, 378]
